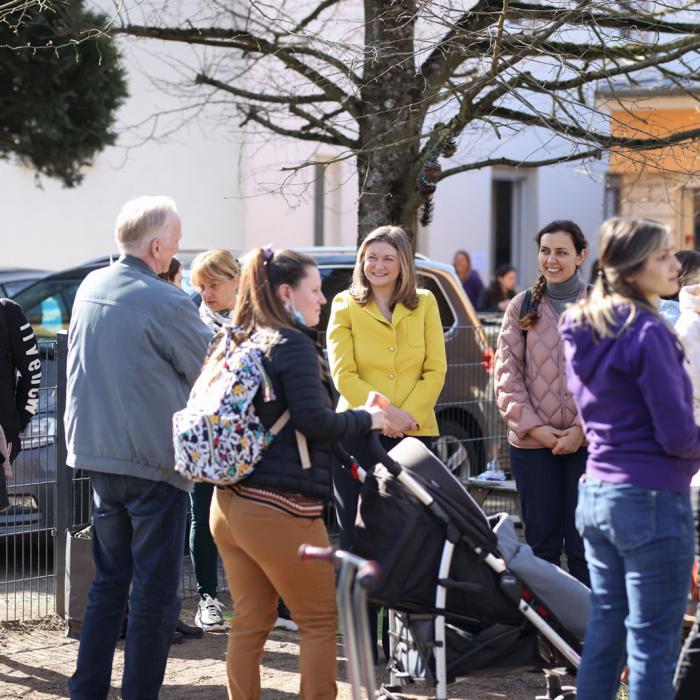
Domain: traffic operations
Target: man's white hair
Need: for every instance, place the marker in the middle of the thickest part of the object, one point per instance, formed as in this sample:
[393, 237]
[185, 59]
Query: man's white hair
[140, 221]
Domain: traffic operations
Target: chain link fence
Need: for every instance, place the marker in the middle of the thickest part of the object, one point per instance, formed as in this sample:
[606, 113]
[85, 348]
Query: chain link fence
[48, 499]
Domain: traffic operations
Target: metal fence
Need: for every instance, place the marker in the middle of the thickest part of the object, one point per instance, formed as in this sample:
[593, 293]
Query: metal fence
[48, 498]
[28, 525]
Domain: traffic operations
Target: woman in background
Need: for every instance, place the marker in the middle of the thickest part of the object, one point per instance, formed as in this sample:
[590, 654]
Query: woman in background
[471, 282]
[214, 274]
[687, 678]
[689, 274]
[496, 296]
[173, 274]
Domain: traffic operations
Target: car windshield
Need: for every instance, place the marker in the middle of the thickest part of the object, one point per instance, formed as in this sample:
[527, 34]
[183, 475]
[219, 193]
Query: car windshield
[48, 303]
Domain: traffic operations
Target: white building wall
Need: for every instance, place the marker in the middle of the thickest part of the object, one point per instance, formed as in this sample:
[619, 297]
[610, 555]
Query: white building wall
[464, 215]
[461, 220]
[53, 227]
[571, 192]
[237, 195]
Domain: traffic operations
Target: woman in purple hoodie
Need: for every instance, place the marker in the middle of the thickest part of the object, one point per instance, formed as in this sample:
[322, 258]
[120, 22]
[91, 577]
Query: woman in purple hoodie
[625, 370]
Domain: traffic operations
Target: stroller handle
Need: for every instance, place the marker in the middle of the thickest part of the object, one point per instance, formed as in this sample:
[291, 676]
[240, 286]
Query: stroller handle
[368, 571]
[310, 552]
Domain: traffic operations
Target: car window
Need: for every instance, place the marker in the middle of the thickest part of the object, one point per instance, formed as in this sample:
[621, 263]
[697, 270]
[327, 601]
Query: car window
[12, 288]
[187, 285]
[48, 304]
[333, 281]
[428, 282]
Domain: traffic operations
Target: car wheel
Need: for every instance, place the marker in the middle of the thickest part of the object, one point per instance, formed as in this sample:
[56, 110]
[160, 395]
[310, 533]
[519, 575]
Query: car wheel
[458, 449]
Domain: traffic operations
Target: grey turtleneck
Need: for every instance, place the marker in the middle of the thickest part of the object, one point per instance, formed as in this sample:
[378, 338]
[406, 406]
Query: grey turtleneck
[561, 294]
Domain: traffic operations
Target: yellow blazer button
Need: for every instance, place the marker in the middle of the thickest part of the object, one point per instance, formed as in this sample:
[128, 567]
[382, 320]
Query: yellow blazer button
[391, 348]
[392, 375]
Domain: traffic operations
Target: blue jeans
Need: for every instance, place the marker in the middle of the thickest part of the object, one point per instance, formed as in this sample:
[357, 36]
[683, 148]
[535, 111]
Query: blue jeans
[138, 542]
[548, 489]
[639, 548]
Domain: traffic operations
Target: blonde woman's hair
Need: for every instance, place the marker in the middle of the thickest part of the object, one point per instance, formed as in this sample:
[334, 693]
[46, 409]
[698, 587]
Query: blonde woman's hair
[214, 266]
[140, 221]
[405, 291]
[625, 245]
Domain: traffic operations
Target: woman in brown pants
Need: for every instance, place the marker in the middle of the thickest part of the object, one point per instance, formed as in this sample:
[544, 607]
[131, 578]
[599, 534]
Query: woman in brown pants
[259, 523]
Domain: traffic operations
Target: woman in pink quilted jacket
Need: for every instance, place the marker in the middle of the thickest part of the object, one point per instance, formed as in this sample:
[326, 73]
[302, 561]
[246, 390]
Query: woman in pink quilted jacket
[547, 450]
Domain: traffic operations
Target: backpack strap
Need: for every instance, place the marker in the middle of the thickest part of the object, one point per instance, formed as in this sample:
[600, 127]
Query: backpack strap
[526, 307]
[302, 445]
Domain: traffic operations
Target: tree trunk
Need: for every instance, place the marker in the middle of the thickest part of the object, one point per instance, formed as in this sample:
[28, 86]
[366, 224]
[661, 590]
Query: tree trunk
[389, 132]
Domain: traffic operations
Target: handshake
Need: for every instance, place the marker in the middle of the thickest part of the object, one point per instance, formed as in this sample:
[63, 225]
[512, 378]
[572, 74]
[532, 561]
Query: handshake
[392, 421]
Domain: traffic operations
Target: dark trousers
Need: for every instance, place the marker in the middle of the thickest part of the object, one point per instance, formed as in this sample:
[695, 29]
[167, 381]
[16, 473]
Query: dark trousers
[548, 490]
[138, 540]
[202, 548]
[687, 680]
[346, 492]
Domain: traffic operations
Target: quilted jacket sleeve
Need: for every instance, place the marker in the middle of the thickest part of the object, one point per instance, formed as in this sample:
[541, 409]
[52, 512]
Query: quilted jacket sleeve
[296, 367]
[512, 397]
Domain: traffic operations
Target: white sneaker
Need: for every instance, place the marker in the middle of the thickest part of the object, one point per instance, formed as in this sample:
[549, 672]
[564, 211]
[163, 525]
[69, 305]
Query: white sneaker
[284, 623]
[209, 616]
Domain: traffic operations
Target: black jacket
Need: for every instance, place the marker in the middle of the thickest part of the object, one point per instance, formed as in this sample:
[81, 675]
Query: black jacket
[490, 298]
[295, 367]
[20, 371]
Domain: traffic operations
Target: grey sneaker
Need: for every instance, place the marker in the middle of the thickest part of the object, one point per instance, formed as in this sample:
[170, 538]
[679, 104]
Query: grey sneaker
[209, 616]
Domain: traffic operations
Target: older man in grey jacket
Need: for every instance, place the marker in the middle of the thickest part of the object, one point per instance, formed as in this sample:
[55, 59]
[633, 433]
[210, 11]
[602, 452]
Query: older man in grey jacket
[135, 347]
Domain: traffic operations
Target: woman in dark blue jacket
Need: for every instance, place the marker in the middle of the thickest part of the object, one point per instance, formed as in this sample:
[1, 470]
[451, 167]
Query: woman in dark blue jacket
[259, 523]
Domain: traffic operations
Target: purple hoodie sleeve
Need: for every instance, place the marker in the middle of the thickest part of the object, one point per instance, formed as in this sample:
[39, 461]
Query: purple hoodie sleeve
[658, 364]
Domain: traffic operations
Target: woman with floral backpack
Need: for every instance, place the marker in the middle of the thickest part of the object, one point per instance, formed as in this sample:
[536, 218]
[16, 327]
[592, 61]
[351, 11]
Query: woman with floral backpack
[259, 523]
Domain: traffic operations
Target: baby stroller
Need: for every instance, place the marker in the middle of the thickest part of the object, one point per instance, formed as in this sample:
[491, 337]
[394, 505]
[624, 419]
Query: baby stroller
[465, 597]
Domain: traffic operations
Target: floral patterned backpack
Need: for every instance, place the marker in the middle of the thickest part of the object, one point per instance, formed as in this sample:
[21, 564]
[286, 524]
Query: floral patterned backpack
[218, 437]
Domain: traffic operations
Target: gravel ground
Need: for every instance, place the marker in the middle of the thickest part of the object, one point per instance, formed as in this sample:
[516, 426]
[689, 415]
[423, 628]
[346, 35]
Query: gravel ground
[36, 660]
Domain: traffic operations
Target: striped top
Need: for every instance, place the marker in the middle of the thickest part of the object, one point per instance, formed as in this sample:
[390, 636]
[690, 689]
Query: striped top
[295, 504]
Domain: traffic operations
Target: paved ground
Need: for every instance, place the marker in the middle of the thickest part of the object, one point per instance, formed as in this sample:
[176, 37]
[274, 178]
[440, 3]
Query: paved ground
[36, 661]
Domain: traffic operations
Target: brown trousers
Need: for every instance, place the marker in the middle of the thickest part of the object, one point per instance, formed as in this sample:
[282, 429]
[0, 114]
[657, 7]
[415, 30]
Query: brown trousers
[258, 546]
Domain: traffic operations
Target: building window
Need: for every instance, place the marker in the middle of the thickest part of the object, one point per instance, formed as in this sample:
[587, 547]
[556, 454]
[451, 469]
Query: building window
[696, 217]
[507, 220]
[611, 201]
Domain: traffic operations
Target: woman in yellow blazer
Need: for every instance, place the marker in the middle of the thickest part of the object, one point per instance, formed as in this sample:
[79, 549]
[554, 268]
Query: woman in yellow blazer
[385, 336]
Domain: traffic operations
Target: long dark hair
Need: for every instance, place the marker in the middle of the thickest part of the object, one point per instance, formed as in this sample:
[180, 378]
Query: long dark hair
[580, 244]
[171, 273]
[264, 270]
[494, 289]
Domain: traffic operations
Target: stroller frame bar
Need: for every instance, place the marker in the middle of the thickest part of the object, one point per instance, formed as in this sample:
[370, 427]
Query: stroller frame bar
[440, 635]
[546, 631]
[440, 650]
